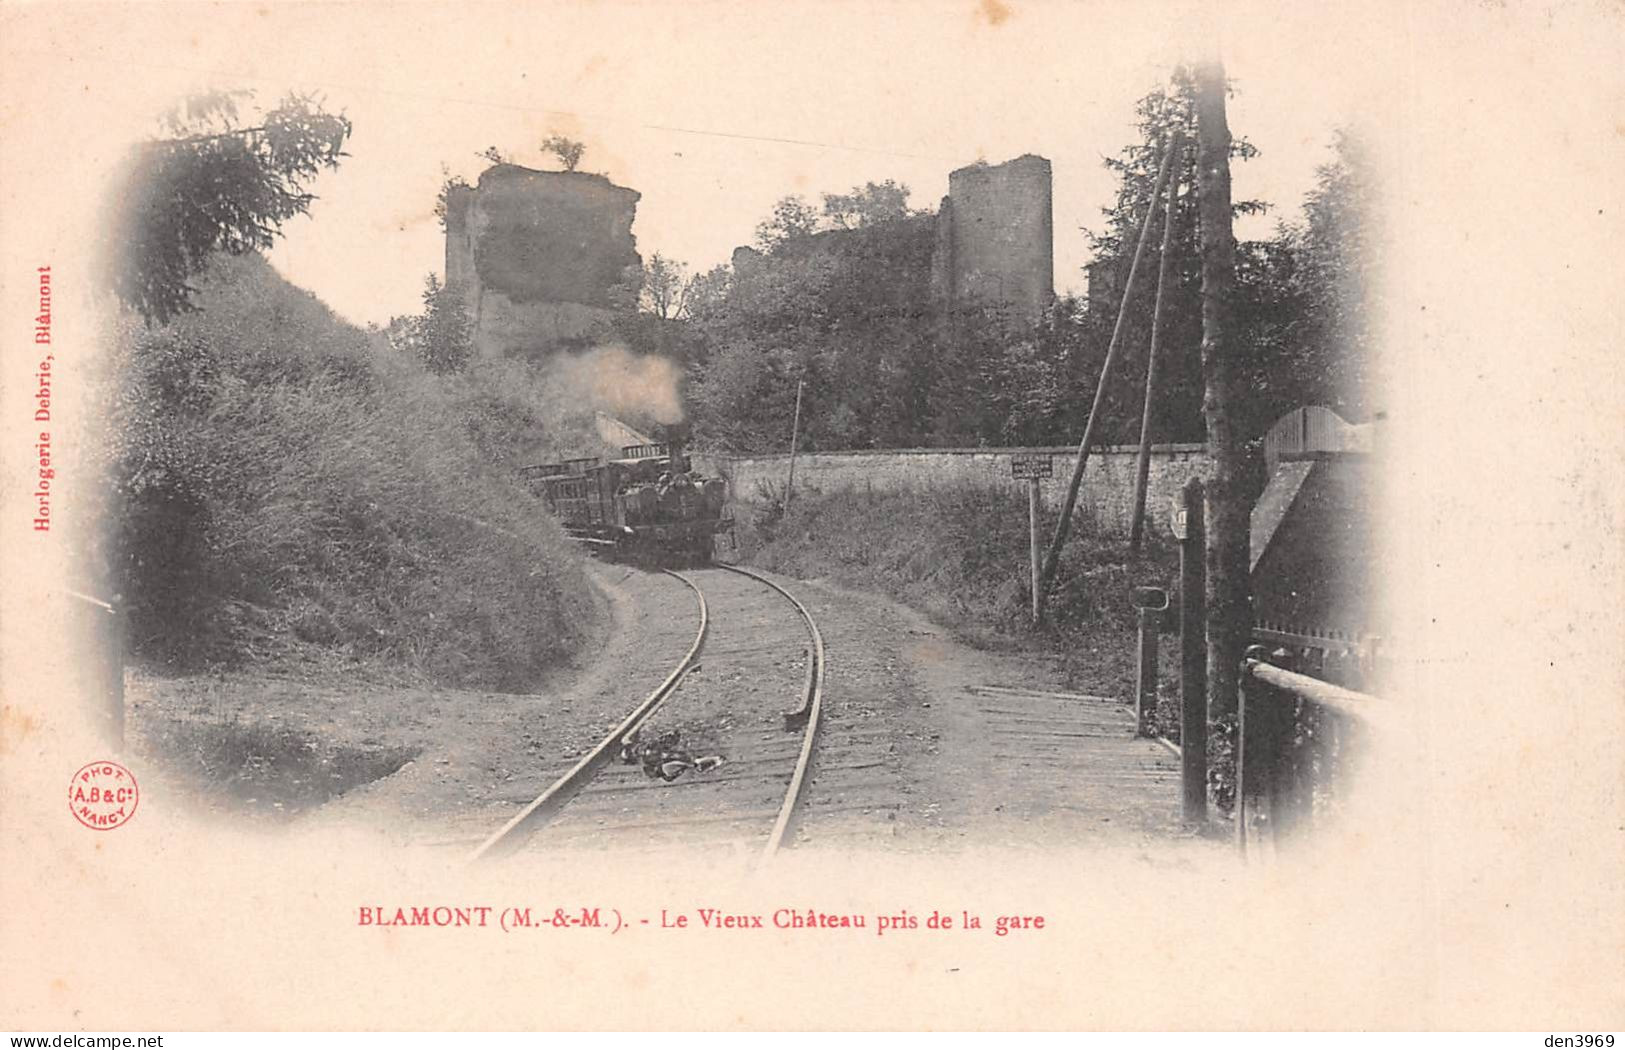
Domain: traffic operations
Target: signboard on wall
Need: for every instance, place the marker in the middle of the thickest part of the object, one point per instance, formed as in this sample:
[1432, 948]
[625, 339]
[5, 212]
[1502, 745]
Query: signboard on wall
[1031, 465]
[1178, 520]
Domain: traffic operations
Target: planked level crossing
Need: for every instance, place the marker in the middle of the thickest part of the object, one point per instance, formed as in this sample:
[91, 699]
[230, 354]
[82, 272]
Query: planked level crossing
[1073, 764]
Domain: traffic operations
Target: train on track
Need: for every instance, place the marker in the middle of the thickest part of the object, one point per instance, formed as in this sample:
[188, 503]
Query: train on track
[647, 505]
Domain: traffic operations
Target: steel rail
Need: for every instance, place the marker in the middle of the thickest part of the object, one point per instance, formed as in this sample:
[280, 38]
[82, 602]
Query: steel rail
[811, 710]
[559, 794]
[565, 788]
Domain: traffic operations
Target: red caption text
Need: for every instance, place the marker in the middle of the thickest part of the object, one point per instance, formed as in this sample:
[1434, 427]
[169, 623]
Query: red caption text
[611, 920]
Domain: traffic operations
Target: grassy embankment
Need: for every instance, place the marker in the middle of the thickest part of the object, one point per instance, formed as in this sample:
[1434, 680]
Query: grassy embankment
[961, 557]
[296, 502]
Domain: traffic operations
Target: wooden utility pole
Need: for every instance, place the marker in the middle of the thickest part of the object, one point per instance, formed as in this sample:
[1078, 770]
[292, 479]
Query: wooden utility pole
[1164, 264]
[795, 433]
[1229, 613]
[1053, 558]
[1032, 546]
[1190, 531]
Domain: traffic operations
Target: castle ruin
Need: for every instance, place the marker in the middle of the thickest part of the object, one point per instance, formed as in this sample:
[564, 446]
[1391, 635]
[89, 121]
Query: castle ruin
[543, 258]
[995, 238]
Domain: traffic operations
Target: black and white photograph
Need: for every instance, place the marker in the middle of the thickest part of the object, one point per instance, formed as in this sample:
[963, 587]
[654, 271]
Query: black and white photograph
[922, 516]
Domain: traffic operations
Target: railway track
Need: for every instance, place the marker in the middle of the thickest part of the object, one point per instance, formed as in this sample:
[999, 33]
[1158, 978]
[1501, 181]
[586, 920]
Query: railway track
[753, 704]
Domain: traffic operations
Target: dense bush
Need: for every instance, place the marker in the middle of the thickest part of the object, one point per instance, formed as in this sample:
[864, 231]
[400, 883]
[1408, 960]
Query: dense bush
[289, 491]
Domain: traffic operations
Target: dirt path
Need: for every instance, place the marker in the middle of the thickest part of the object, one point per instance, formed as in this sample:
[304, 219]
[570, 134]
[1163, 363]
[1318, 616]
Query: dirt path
[927, 744]
[977, 767]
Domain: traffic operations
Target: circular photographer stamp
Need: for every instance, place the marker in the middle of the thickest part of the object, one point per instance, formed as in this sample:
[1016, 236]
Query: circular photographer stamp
[103, 796]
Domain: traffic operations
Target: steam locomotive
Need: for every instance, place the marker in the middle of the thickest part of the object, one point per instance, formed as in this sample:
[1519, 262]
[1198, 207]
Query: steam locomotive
[650, 504]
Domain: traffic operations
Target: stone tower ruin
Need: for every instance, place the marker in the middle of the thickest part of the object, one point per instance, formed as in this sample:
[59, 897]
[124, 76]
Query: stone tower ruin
[995, 238]
[541, 257]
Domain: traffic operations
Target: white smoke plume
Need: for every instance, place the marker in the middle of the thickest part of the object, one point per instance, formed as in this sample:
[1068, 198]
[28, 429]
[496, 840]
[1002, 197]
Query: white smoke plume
[638, 387]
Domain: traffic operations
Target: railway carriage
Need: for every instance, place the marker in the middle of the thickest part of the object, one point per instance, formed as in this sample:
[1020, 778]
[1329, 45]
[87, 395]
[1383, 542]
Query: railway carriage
[650, 503]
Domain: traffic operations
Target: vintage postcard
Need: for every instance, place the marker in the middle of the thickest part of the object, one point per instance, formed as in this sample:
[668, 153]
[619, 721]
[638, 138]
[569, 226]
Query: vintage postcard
[824, 516]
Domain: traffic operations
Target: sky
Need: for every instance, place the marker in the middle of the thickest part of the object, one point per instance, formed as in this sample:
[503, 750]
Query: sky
[712, 112]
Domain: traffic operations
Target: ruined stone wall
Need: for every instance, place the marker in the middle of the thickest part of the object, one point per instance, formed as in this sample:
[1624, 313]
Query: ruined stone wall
[540, 255]
[503, 327]
[1105, 502]
[1000, 235]
[992, 242]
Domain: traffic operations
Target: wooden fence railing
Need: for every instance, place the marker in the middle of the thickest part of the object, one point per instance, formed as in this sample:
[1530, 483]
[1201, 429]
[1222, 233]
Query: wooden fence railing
[1299, 741]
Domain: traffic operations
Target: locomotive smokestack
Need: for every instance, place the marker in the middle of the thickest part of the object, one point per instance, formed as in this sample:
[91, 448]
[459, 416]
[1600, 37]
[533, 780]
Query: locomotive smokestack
[676, 436]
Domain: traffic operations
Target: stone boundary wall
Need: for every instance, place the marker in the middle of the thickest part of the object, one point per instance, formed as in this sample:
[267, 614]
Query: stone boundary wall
[1105, 501]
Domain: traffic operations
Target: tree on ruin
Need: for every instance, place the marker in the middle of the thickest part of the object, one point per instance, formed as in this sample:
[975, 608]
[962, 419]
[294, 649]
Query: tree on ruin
[442, 200]
[792, 220]
[212, 183]
[867, 205]
[567, 150]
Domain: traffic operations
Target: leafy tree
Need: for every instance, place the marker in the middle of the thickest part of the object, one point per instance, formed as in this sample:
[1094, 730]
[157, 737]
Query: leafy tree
[1301, 315]
[1157, 115]
[994, 380]
[495, 156]
[866, 205]
[445, 334]
[849, 311]
[746, 397]
[567, 150]
[793, 219]
[1336, 258]
[664, 287]
[707, 292]
[1176, 413]
[1302, 309]
[213, 184]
